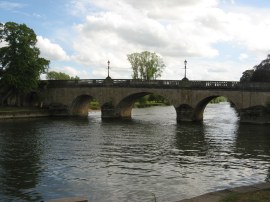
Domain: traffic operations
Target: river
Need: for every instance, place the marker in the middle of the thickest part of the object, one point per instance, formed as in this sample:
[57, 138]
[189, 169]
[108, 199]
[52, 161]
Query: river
[148, 158]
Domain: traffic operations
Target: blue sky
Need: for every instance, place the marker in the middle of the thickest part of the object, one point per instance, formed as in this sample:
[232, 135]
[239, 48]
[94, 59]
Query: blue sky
[219, 38]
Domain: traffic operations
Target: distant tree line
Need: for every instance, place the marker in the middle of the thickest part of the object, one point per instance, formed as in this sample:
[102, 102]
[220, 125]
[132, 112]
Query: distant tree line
[151, 100]
[53, 75]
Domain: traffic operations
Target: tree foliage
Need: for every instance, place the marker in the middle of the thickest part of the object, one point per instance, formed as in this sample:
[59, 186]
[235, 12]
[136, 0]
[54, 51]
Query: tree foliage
[20, 64]
[259, 73]
[262, 71]
[146, 65]
[247, 75]
[53, 75]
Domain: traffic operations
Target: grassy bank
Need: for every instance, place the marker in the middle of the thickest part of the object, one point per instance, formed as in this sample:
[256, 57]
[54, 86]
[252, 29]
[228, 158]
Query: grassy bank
[22, 112]
[255, 196]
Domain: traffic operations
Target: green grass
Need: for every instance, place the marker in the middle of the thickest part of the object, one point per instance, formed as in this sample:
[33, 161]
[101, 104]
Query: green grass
[256, 196]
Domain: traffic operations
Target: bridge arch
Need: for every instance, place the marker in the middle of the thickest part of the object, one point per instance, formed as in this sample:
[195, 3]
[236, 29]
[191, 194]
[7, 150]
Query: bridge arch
[200, 107]
[123, 108]
[80, 105]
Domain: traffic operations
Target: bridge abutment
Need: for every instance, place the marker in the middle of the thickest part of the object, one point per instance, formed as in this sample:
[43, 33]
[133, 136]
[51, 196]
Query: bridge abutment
[257, 114]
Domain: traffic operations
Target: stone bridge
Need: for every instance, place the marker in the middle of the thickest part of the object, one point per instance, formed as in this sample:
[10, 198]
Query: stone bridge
[189, 98]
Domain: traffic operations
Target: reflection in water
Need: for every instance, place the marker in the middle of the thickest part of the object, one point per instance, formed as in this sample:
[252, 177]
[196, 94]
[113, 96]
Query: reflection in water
[190, 140]
[253, 141]
[144, 159]
[19, 161]
[268, 176]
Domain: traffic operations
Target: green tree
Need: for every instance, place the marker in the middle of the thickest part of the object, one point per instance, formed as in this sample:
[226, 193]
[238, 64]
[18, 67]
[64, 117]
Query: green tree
[146, 65]
[20, 64]
[246, 77]
[262, 71]
[53, 75]
[259, 73]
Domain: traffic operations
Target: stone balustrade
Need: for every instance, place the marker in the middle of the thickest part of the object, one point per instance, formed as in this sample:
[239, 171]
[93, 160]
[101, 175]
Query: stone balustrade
[134, 83]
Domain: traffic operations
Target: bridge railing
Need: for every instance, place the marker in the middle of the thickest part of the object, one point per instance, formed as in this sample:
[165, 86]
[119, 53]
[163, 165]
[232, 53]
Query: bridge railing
[134, 83]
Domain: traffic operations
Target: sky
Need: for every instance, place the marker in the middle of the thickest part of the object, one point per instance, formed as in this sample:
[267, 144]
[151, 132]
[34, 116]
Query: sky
[219, 38]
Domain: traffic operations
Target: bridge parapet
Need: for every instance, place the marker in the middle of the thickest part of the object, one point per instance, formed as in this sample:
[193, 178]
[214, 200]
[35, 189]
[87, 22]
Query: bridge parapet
[134, 83]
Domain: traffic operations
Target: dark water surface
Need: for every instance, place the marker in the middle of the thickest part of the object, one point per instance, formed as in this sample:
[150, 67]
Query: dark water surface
[147, 158]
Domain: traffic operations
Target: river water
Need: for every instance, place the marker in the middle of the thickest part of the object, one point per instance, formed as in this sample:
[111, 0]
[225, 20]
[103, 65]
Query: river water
[148, 158]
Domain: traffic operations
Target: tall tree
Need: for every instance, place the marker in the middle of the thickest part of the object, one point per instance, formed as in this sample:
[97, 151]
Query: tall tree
[53, 75]
[146, 65]
[20, 64]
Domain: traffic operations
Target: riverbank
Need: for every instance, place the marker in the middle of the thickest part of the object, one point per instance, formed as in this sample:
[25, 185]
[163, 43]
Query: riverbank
[22, 112]
[255, 193]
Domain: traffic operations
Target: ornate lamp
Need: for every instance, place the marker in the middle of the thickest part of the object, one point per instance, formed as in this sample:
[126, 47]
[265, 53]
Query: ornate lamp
[185, 78]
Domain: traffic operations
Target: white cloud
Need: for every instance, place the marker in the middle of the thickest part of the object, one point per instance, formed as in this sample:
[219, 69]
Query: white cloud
[243, 56]
[71, 71]
[126, 29]
[51, 50]
[175, 29]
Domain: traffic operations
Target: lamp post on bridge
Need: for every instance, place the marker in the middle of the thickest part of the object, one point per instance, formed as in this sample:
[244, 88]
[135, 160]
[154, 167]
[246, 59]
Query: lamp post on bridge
[108, 77]
[185, 78]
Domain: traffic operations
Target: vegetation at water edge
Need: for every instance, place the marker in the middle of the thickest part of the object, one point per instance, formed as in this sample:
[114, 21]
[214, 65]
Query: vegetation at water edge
[218, 100]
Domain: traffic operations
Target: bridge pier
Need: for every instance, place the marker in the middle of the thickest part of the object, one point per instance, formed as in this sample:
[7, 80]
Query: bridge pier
[184, 113]
[114, 113]
[108, 111]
